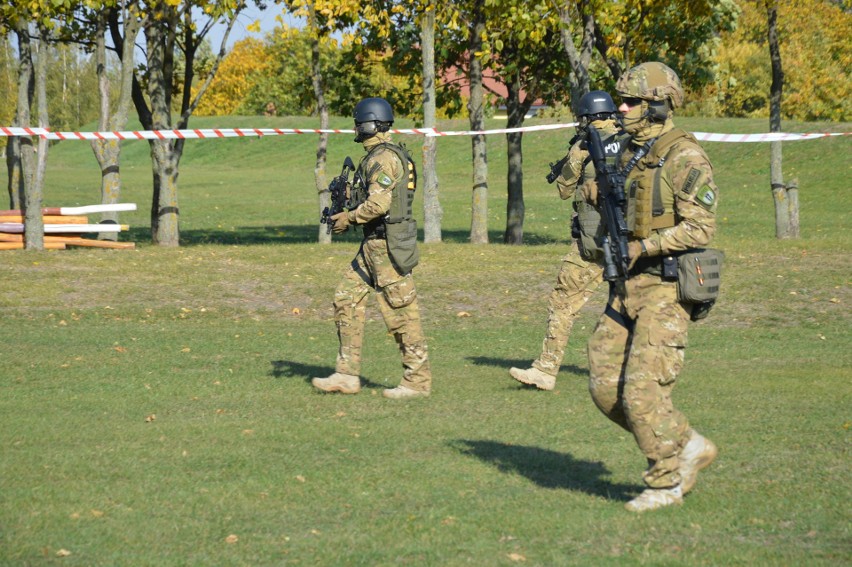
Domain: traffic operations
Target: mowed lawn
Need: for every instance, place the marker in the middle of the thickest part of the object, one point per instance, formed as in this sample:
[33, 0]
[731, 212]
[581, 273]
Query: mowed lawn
[157, 408]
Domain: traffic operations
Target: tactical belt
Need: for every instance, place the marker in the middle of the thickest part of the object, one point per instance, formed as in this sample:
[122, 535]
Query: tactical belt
[375, 231]
[652, 266]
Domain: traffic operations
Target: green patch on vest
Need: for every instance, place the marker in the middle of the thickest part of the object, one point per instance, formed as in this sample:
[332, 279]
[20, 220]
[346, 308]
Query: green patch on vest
[706, 197]
[384, 180]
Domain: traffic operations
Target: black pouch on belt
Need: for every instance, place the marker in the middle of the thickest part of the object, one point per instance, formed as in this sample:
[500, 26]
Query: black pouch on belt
[669, 268]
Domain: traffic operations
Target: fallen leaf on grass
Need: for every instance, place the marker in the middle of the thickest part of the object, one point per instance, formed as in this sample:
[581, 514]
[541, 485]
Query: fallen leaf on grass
[462, 314]
[97, 513]
[119, 349]
[232, 539]
[517, 557]
[300, 478]
[150, 418]
[296, 311]
[63, 553]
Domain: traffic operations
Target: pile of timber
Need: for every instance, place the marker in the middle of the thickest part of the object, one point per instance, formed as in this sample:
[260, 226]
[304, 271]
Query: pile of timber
[64, 226]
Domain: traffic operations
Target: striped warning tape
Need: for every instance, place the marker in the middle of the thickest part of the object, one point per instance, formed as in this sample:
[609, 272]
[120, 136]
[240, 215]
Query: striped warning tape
[213, 133]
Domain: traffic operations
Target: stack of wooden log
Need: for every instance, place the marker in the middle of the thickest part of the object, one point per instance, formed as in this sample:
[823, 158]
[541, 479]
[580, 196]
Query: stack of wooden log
[65, 226]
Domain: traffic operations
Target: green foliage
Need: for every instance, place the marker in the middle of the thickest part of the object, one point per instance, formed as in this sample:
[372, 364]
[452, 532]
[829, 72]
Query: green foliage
[157, 402]
[72, 88]
[815, 54]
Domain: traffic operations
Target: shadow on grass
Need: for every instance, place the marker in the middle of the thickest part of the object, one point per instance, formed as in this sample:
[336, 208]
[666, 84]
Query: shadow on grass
[293, 369]
[303, 234]
[548, 469]
[507, 363]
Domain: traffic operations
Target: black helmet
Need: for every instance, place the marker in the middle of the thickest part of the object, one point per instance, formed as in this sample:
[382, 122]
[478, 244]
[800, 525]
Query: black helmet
[596, 102]
[370, 109]
[372, 115]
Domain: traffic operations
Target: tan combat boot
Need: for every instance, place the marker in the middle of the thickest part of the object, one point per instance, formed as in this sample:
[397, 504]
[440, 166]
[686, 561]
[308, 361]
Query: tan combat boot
[533, 377]
[404, 392]
[697, 454]
[654, 498]
[338, 382]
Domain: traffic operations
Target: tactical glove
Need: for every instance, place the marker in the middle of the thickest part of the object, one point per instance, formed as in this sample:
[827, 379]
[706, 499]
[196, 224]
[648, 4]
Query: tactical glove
[341, 223]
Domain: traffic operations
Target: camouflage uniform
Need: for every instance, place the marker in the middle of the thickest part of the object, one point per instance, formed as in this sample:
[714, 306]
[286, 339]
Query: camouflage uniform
[372, 269]
[637, 349]
[578, 277]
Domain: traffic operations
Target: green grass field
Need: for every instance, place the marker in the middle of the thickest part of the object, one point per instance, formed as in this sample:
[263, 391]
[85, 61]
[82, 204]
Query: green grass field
[157, 406]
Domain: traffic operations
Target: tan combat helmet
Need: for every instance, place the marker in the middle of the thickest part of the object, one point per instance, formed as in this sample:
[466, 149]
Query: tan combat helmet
[651, 81]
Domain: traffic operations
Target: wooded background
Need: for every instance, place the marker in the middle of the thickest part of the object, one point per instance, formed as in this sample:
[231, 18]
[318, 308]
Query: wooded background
[68, 63]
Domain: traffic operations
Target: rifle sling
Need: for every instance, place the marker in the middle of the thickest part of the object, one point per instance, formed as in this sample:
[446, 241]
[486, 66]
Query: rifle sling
[617, 316]
[356, 267]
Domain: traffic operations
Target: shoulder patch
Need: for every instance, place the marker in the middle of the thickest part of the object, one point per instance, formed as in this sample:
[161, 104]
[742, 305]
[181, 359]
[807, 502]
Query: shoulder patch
[706, 197]
[384, 180]
[691, 180]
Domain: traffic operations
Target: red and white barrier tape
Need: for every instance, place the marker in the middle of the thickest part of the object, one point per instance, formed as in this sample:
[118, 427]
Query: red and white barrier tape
[212, 133]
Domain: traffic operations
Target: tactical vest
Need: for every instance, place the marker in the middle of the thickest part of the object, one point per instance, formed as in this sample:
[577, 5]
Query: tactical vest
[592, 229]
[398, 226]
[403, 192]
[649, 208]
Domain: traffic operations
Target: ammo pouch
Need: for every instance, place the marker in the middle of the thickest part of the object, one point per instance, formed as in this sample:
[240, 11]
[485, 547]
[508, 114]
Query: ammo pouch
[402, 244]
[699, 274]
[591, 232]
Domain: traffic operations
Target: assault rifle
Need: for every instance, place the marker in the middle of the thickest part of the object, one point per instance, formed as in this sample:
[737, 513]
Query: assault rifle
[556, 168]
[611, 202]
[341, 198]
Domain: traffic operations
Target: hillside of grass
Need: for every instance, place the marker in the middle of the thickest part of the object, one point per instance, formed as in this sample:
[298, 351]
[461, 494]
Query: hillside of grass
[157, 406]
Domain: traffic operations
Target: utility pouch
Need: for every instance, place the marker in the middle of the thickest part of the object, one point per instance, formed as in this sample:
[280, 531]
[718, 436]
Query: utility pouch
[402, 245]
[699, 278]
[669, 268]
[575, 227]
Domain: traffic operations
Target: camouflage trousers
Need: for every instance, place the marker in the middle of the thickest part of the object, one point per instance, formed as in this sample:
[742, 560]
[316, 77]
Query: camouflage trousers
[635, 355]
[397, 297]
[576, 282]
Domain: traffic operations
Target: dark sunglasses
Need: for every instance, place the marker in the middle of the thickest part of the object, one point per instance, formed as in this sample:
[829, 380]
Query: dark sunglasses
[631, 101]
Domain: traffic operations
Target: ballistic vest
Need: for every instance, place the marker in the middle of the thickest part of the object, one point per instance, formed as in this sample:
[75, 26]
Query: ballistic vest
[403, 192]
[649, 208]
[592, 229]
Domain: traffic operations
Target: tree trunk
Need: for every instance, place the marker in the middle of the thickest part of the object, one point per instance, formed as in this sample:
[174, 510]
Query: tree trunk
[165, 154]
[324, 236]
[33, 221]
[108, 152]
[432, 212]
[515, 201]
[581, 59]
[793, 207]
[476, 113]
[165, 212]
[19, 150]
[776, 173]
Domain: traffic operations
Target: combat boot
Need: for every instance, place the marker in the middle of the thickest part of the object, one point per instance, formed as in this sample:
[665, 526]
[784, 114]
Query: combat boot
[404, 392]
[338, 382]
[533, 377]
[697, 454]
[654, 498]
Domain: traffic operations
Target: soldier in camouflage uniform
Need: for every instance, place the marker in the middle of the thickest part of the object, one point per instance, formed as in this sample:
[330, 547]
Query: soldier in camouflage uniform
[637, 349]
[582, 268]
[386, 179]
